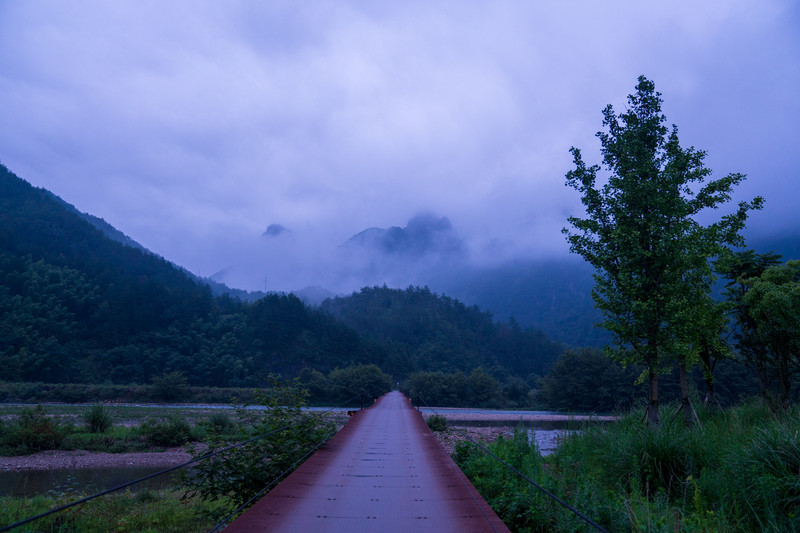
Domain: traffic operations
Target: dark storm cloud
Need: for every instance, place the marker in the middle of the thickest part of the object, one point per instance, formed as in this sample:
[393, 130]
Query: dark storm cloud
[194, 126]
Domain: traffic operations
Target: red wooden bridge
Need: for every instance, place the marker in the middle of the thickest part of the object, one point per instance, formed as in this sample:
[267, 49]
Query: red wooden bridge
[384, 471]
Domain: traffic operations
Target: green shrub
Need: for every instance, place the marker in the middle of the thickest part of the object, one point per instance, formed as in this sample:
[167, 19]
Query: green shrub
[170, 386]
[238, 474]
[98, 420]
[437, 423]
[94, 442]
[169, 432]
[221, 423]
[34, 431]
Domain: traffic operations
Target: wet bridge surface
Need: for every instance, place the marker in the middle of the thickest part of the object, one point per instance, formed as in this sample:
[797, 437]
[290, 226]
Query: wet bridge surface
[384, 471]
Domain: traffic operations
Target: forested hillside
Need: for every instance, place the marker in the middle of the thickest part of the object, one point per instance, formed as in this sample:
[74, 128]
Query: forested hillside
[429, 332]
[80, 306]
[76, 306]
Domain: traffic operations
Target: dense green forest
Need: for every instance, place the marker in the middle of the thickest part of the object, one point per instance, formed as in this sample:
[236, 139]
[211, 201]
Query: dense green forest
[428, 332]
[79, 307]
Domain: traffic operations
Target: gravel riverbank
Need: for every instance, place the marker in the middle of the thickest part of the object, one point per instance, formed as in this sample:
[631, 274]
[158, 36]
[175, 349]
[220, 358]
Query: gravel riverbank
[61, 460]
[460, 421]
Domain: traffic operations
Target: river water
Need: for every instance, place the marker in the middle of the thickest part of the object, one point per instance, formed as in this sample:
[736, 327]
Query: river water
[79, 481]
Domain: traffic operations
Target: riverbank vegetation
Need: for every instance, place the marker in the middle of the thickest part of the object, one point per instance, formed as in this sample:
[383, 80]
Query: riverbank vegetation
[737, 470]
[164, 511]
[26, 429]
[98, 428]
[230, 468]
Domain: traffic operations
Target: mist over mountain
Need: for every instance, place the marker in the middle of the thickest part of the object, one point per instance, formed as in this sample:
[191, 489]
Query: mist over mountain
[551, 293]
[78, 306]
[274, 231]
[288, 260]
[425, 234]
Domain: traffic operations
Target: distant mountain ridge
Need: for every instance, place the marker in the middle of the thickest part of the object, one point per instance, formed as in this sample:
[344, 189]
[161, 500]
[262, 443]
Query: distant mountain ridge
[104, 227]
[550, 294]
[424, 234]
[79, 306]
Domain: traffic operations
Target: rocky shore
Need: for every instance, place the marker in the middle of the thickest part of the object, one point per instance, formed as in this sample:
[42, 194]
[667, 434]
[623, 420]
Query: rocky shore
[61, 460]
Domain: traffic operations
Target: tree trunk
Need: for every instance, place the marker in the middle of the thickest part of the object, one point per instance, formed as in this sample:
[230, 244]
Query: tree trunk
[708, 376]
[784, 382]
[686, 405]
[652, 402]
[711, 397]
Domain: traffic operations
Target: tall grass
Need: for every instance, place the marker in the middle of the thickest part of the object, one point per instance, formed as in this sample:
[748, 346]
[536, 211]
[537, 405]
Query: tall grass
[148, 511]
[737, 471]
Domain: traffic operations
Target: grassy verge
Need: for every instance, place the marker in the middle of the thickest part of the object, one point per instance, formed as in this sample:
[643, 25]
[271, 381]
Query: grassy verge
[740, 471]
[148, 511]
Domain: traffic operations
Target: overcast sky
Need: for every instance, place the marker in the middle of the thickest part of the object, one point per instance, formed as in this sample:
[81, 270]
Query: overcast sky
[192, 126]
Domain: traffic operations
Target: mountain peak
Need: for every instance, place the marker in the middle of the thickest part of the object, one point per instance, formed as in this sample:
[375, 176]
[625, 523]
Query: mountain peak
[424, 234]
[276, 230]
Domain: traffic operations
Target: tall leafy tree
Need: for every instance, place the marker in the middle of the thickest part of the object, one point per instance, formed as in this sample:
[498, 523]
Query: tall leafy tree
[773, 303]
[741, 268]
[641, 234]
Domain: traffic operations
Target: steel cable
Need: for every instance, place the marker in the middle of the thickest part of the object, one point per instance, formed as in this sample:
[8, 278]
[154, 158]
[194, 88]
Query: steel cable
[523, 476]
[271, 483]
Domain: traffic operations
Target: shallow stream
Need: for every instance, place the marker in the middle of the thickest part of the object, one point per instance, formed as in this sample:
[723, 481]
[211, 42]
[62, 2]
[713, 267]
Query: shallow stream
[79, 481]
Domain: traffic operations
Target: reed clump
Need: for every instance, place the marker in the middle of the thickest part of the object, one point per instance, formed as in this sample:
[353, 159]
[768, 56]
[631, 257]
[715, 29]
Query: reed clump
[738, 470]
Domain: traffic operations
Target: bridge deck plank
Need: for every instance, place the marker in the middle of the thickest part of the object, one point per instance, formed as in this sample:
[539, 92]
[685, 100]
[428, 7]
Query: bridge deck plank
[382, 472]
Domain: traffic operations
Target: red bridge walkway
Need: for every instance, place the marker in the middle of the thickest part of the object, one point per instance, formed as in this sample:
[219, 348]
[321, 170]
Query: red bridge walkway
[384, 471]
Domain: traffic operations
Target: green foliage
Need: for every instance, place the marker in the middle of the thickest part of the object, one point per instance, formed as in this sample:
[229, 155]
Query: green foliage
[117, 439]
[773, 304]
[484, 388]
[426, 332]
[152, 512]
[289, 434]
[521, 506]
[436, 423]
[98, 420]
[585, 380]
[439, 388]
[367, 381]
[642, 236]
[739, 472]
[169, 432]
[316, 384]
[34, 430]
[76, 306]
[742, 269]
[31, 392]
[170, 385]
[221, 423]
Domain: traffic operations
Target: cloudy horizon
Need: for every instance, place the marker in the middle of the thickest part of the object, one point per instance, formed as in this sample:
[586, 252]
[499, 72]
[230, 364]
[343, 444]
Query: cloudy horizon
[193, 127]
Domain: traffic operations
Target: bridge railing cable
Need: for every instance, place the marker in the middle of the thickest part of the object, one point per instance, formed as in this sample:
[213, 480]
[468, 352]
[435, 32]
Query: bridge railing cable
[64, 507]
[485, 450]
[280, 476]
